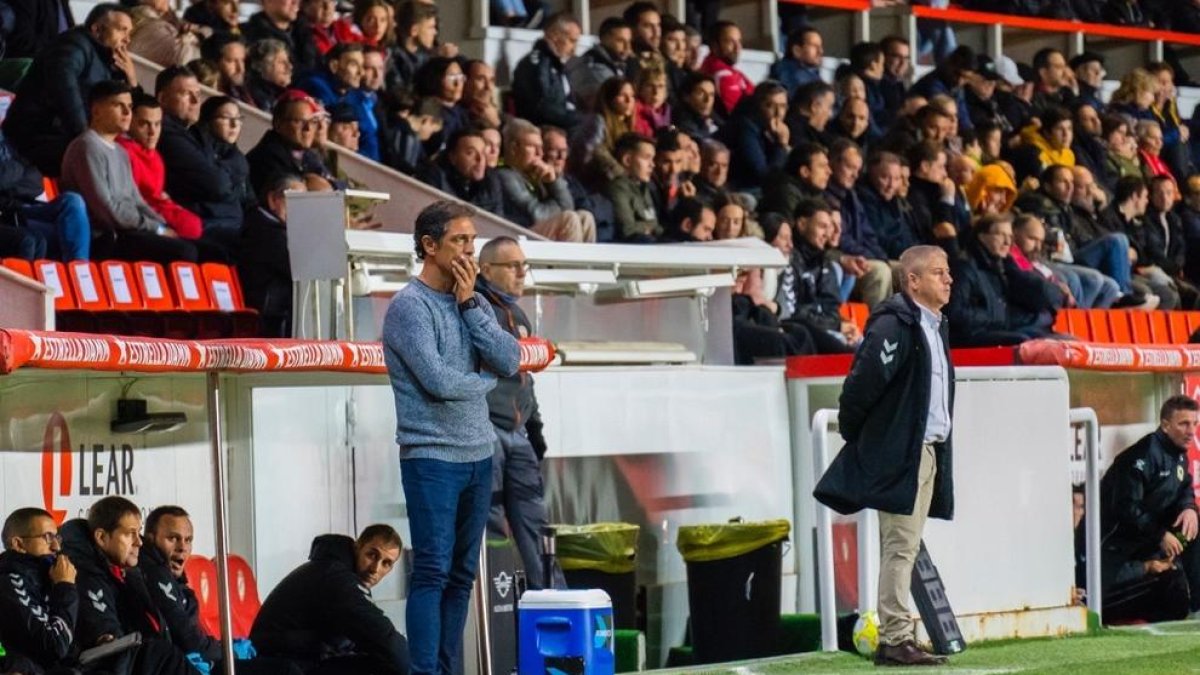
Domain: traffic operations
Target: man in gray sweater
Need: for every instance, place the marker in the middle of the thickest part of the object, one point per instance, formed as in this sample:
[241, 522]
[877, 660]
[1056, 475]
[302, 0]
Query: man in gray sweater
[124, 226]
[444, 351]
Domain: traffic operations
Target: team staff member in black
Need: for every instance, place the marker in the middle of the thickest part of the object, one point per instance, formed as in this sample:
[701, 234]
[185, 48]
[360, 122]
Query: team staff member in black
[38, 602]
[1148, 514]
[113, 598]
[894, 413]
[321, 616]
[517, 490]
[167, 548]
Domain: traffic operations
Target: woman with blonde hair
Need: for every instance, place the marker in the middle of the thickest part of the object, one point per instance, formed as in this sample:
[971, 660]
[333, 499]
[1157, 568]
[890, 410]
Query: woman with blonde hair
[652, 105]
[1136, 95]
[592, 145]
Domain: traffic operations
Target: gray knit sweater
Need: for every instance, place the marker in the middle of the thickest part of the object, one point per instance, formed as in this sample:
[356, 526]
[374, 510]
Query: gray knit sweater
[442, 363]
[100, 171]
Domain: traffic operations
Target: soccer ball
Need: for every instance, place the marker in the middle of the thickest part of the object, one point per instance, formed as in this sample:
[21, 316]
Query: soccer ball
[866, 634]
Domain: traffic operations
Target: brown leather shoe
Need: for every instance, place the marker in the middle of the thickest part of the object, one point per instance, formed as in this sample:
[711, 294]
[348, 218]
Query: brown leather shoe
[906, 654]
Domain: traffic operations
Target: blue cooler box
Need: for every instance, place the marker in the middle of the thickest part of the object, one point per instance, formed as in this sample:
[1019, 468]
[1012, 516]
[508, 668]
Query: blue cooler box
[566, 633]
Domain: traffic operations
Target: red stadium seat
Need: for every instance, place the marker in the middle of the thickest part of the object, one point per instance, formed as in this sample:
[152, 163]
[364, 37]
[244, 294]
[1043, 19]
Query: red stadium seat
[202, 579]
[188, 283]
[1139, 323]
[54, 275]
[19, 265]
[90, 293]
[1060, 323]
[1160, 332]
[153, 285]
[1077, 323]
[121, 285]
[1193, 321]
[223, 287]
[1097, 321]
[243, 595]
[1119, 326]
[1177, 325]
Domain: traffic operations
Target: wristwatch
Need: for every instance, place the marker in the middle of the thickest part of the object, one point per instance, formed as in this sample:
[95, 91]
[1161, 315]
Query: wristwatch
[470, 303]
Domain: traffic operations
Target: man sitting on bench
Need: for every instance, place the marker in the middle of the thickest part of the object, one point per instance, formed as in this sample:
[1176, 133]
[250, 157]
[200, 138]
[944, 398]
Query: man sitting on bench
[322, 616]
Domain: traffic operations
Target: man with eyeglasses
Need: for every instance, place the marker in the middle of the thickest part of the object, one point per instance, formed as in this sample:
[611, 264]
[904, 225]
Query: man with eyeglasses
[518, 496]
[289, 147]
[38, 602]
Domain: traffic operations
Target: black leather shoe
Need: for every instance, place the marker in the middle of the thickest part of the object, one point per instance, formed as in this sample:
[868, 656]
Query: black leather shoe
[906, 654]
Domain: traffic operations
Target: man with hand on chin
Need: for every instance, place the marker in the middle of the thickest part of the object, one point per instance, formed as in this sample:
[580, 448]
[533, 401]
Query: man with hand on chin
[444, 351]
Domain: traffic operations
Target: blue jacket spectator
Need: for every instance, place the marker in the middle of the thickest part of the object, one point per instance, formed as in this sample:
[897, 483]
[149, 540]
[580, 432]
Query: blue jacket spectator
[948, 78]
[757, 137]
[340, 82]
[801, 62]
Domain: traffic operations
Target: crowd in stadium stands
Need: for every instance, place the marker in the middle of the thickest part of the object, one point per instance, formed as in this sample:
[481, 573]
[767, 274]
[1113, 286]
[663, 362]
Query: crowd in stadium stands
[1044, 195]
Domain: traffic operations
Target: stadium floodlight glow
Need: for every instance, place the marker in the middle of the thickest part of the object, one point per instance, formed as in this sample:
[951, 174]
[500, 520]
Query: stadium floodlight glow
[701, 284]
[585, 281]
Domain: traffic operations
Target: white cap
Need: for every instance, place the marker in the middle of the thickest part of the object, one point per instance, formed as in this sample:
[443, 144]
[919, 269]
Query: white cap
[1007, 68]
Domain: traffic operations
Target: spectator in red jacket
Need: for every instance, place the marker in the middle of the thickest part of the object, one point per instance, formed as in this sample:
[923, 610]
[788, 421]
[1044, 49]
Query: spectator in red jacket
[149, 174]
[725, 43]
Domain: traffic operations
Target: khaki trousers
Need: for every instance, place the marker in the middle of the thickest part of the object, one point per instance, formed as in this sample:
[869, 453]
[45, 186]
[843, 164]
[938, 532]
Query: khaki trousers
[875, 285]
[575, 226]
[899, 542]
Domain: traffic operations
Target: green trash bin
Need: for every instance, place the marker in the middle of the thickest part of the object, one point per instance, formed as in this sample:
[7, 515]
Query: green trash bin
[734, 571]
[604, 556]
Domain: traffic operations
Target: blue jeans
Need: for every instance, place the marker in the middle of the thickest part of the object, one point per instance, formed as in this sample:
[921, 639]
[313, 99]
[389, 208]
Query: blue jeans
[1109, 254]
[62, 224]
[1091, 288]
[448, 507]
[845, 282]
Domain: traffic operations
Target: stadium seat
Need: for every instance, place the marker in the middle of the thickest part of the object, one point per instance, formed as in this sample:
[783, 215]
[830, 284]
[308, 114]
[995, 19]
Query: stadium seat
[1060, 323]
[243, 595]
[1097, 320]
[54, 275]
[50, 188]
[19, 265]
[90, 293]
[121, 286]
[1193, 321]
[1177, 325]
[226, 294]
[153, 286]
[189, 286]
[1077, 323]
[1119, 326]
[1160, 332]
[202, 579]
[1139, 324]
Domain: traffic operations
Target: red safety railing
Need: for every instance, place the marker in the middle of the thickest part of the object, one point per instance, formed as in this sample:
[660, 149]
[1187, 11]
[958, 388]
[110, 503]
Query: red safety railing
[957, 15]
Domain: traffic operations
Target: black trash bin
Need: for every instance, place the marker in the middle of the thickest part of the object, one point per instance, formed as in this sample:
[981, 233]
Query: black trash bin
[604, 556]
[734, 573]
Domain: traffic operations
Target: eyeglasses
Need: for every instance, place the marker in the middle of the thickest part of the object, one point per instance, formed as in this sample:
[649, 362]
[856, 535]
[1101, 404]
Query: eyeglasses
[513, 266]
[232, 119]
[456, 78]
[50, 538]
